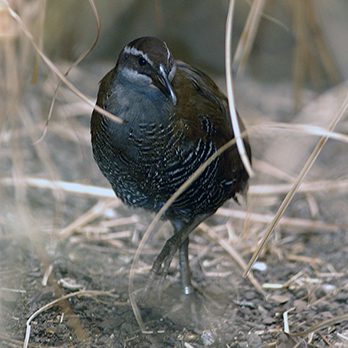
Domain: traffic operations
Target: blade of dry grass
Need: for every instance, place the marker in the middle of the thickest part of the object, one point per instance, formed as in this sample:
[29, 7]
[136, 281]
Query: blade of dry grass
[308, 165]
[93, 213]
[230, 94]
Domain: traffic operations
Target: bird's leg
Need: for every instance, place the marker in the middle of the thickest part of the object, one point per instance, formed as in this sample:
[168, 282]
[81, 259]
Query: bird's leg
[185, 271]
[163, 260]
[161, 265]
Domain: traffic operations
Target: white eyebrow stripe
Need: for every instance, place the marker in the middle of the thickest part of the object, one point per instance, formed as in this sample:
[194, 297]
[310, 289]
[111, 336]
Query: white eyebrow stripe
[168, 52]
[134, 51]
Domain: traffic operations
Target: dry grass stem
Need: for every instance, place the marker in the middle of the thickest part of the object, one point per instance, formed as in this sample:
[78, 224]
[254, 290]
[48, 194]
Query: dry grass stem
[311, 49]
[304, 259]
[93, 213]
[81, 189]
[306, 187]
[129, 220]
[248, 35]
[230, 94]
[103, 192]
[269, 169]
[298, 129]
[285, 221]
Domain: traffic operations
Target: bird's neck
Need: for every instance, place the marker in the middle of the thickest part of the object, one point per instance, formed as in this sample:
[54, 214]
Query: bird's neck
[139, 104]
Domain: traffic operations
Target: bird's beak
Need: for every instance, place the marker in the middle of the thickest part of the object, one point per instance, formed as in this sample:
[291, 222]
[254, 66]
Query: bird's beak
[166, 86]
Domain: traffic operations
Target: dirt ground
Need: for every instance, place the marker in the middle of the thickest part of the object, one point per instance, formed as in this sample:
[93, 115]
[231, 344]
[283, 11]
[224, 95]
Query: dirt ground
[55, 243]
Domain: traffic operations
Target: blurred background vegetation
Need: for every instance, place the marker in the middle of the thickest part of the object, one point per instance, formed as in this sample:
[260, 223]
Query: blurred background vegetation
[195, 30]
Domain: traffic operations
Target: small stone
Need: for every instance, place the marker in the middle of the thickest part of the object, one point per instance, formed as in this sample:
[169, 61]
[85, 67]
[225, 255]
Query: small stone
[254, 340]
[70, 284]
[249, 295]
[279, 298]
[327, 288]
[208, 338]
[300, 305]
[259, 266]
[268, 320]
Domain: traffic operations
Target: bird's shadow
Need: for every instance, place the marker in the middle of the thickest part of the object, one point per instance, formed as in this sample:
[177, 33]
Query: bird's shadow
[195, 311]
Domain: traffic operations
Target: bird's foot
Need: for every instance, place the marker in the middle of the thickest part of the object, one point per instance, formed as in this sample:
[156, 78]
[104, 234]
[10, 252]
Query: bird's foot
[154, 287]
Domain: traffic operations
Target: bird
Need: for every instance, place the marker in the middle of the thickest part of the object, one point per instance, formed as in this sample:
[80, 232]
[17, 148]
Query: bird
[174, 119]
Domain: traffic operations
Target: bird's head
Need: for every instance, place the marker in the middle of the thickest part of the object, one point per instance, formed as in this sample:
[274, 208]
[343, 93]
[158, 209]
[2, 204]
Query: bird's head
[147, 63]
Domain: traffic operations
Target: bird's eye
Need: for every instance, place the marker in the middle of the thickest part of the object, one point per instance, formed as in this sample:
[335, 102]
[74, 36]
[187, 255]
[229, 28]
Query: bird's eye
[142, 61]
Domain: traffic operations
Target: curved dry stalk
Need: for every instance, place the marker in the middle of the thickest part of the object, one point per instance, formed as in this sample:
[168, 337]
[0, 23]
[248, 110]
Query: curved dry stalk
[301, 128]
[82, 56]
[295, 187]
[54, 302]
[231, 102]
[54, 68]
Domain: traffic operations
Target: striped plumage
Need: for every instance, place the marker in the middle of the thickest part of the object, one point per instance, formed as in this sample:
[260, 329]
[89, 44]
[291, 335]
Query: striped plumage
[175, 119]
